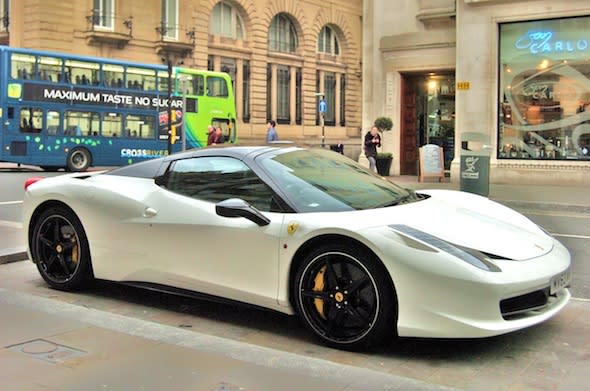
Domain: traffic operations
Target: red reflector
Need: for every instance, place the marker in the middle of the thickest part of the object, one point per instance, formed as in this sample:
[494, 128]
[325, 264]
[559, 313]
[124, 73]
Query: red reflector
[32, 180]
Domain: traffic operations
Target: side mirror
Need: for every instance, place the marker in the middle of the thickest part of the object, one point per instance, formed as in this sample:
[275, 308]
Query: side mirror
[235, 207]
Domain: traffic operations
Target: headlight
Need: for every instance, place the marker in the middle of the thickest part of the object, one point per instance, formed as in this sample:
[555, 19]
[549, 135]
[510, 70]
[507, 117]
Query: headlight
[471, 256]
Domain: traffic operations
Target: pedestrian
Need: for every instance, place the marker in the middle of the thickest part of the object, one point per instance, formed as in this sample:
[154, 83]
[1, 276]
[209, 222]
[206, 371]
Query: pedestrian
[210, 134]
[218, 137]
[372, 141]
[271, 134]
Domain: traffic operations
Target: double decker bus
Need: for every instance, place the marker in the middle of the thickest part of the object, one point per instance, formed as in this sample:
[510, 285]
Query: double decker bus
[65, 111]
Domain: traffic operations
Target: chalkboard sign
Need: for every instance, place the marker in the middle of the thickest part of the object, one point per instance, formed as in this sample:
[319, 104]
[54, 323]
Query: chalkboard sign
[431, 162]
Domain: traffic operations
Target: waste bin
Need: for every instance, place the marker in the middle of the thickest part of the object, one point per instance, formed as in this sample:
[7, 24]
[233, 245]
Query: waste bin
[475, 163]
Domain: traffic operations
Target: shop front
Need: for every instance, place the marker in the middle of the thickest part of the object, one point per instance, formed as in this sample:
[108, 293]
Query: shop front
[544, 90]
[428, 117]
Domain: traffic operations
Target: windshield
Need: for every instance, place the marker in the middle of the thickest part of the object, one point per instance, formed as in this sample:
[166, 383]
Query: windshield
[320, 180]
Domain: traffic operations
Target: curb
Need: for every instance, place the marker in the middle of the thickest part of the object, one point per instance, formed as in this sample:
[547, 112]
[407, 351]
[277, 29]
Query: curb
[529, 206]
[14, 257]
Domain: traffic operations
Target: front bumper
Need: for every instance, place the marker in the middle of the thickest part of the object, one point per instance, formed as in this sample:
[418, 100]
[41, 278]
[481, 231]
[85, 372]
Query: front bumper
[440, 296]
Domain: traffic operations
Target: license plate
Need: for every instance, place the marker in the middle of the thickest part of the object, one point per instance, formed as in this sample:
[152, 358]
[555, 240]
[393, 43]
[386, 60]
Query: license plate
[560, 281]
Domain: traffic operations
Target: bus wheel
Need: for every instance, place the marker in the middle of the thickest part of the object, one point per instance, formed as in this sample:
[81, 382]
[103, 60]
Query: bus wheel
[79, 159]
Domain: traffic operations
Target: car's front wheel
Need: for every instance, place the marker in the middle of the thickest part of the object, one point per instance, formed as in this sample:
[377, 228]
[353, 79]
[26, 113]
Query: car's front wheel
[60, 249]
[343, 295]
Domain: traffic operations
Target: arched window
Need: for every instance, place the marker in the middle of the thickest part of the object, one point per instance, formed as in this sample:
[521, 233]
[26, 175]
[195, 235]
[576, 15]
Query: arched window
[282, 36]
[226, 21]
[328, 42]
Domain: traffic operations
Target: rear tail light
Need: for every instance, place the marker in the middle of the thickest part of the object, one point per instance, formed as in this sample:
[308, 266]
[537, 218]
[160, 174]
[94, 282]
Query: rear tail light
[32, 180]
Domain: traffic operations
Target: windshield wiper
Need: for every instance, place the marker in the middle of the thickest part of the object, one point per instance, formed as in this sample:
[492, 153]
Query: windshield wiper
[401, 200]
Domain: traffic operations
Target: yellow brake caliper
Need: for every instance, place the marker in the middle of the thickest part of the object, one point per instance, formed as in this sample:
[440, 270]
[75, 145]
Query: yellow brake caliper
[318, 286]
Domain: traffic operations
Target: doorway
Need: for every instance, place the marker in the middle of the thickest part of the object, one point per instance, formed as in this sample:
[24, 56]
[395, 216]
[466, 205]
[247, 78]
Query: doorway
[428, 117]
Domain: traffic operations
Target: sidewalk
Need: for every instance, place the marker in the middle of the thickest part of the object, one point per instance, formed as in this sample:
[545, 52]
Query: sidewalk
[571, 199]
[52, 345]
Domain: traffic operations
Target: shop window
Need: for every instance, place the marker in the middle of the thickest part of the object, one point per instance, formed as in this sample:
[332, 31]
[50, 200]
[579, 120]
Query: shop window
[544, 95]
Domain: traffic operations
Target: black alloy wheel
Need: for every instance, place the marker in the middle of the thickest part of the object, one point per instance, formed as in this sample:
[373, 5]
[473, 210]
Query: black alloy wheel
[343, 296]
[60, 249]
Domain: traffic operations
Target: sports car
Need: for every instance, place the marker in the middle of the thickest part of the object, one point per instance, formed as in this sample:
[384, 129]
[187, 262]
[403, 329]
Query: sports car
[301, 231]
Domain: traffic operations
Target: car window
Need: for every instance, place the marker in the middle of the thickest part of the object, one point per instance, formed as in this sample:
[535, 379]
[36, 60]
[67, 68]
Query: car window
[215, 179]
[320, 180]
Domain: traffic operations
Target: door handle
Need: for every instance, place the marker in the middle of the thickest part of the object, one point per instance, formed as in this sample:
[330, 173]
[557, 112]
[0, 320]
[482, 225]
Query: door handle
[149, 212]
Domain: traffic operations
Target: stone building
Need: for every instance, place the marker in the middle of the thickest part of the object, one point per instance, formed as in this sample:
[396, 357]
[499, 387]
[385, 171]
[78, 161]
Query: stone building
[280, 53]
[517, 72]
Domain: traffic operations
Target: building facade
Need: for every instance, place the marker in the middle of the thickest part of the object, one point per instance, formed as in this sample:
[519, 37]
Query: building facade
[516, 72]
[283, 55]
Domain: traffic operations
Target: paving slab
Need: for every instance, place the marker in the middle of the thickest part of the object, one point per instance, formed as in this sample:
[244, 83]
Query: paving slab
[118, 352]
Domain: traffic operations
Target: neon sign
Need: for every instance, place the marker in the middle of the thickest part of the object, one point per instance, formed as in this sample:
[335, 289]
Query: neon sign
[543, 42]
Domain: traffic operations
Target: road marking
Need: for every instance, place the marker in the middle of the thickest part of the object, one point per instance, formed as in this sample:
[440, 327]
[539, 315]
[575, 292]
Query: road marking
[2, 203]
[571, 236]
[11, 224]
[580, 299]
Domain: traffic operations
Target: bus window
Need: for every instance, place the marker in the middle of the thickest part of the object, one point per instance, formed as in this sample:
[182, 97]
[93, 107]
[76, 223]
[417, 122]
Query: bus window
[190, 84]
[217, 87]
[52, 122]
[49, 69]
[111, 125]
[81, 123]
[82, 72]
[30, 119]
[140, 126]
[113, 75]
[163, 81]
[22, 66]
[141, 79]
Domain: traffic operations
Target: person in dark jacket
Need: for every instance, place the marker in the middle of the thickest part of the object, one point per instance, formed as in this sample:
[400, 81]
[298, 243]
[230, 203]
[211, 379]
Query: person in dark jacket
[372, 141]
[219, 138]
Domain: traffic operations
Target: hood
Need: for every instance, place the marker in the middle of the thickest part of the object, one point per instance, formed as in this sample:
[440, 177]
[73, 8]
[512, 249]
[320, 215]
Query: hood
[472, 221]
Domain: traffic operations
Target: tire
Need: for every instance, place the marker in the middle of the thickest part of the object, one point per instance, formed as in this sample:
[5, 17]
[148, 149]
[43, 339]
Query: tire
[60, 249]
[343, 296]
[79, 159]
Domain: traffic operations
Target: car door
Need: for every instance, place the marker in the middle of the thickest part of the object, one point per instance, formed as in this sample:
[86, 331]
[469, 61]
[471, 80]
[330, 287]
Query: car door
[203, 251]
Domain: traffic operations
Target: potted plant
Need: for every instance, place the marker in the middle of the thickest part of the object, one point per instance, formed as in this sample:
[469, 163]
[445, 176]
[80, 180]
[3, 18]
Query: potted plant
[383, 162]
[383, 159]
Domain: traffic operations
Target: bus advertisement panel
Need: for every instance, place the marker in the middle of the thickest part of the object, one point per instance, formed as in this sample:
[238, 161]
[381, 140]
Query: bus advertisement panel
[89, 111]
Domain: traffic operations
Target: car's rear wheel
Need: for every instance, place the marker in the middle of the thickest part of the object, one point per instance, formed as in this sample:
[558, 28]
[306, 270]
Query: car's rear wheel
[60, 249]
[344, 297]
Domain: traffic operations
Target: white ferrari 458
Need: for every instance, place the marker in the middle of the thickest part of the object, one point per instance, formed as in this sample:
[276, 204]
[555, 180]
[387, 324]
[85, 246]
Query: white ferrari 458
[301, 231]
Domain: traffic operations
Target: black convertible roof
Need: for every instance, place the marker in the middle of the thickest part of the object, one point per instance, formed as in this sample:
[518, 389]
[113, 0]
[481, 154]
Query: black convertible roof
[153, 167]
